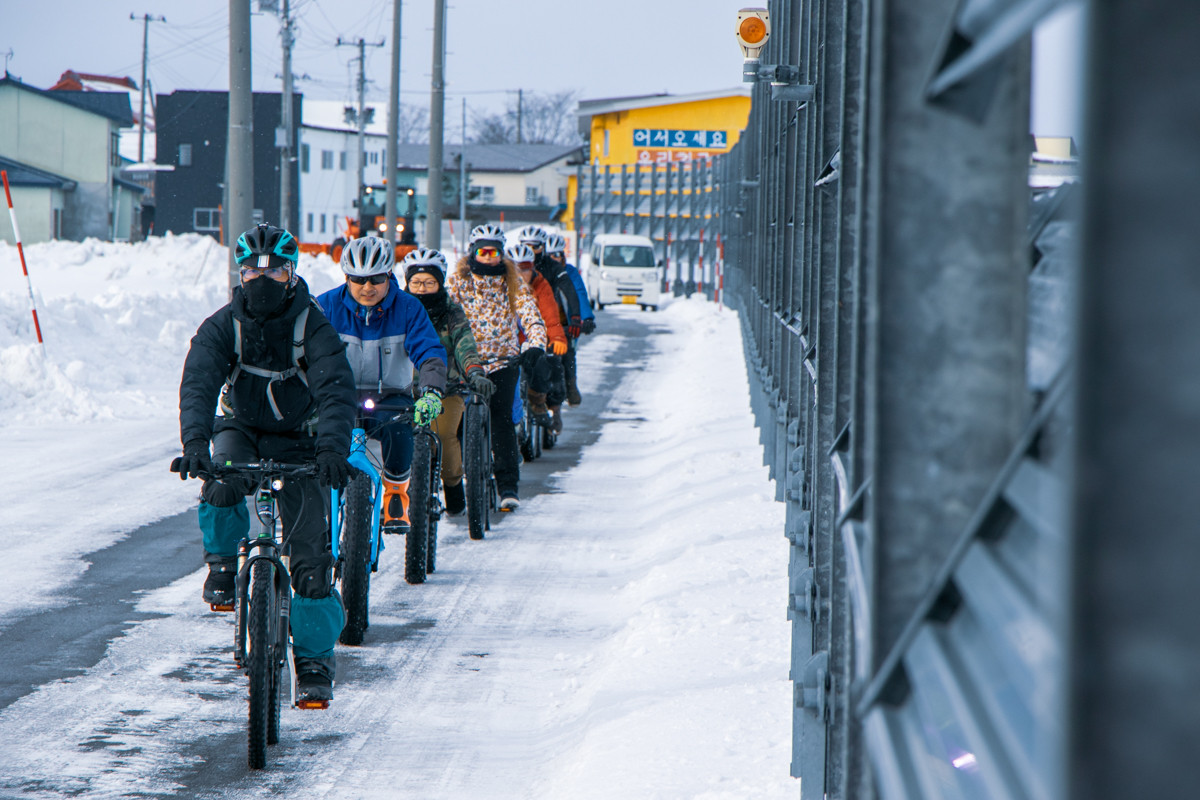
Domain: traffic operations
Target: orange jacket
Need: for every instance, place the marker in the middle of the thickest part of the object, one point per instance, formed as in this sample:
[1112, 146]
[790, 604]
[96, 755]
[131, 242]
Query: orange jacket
[548, 308]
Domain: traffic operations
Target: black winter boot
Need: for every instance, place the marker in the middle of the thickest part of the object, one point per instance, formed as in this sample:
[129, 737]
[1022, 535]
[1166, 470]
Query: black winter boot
[314, 682]
[218, 586]
[456, 499]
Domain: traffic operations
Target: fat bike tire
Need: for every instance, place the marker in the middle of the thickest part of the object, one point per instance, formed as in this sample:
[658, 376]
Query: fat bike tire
[477, 480]
[416, 543]
[260, 660]
[355, 549]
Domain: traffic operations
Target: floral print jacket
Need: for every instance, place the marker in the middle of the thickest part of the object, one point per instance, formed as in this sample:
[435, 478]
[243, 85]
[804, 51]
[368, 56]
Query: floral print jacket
[494, 322]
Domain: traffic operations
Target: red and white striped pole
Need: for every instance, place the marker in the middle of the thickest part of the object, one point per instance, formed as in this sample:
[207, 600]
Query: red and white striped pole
[12, 215]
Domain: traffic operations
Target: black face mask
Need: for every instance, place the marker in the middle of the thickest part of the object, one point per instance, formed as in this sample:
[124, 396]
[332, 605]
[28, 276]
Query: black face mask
[433, 301]
[484, 269]
[264, 296]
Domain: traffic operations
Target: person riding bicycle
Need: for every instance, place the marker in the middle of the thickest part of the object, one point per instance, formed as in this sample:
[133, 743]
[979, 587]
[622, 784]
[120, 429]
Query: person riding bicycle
[522, 256]
[556, 276]
[556, 247]
[387, 333]
[425, 275]
[286, 393]
[496, 301]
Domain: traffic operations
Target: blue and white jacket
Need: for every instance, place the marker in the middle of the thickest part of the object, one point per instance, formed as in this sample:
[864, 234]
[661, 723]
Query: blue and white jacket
[585, 307]
[383, 342]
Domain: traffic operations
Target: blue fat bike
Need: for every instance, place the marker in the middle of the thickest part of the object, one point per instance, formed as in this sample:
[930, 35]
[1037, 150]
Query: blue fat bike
[262, 604]
[356, 523]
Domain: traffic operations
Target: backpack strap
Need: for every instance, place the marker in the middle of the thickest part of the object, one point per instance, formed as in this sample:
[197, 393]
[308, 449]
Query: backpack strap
[272, 376]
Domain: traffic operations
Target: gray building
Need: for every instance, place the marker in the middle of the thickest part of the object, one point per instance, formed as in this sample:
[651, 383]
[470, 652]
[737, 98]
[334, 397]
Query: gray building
[64, 148]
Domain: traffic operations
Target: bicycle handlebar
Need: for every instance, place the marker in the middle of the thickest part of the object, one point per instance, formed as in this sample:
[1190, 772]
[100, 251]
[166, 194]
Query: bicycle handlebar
[264, 469]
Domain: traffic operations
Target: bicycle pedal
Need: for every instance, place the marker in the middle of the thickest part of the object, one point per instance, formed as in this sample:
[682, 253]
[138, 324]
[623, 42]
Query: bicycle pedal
[312, 705]
[219, 607]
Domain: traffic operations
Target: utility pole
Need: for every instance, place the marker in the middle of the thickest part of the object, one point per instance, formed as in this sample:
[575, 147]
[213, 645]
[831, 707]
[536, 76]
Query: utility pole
[362, 117]
[288, 138]
[239, 182]
[520, 103]
[146, 20]
[437, 112]
[393, 126]
[462, 179]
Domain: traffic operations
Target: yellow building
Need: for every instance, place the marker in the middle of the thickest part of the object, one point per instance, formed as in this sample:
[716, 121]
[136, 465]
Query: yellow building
[659, 129]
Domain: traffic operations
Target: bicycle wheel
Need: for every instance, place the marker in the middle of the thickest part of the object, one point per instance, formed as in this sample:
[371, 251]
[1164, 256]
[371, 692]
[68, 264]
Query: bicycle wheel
[417, 542]
[474, 461]
[435, 488]
[355, 550]
[275, 707]
[260, 659]
[535, 435]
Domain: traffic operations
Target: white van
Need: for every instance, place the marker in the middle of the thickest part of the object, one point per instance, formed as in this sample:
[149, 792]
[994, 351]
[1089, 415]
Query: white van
[622, 269]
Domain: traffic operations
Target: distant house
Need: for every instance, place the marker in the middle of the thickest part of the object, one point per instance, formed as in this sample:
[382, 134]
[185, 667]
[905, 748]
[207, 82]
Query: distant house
[72, 136]
[193, 128]
[509, 182]
[39, 198]
[73, 81]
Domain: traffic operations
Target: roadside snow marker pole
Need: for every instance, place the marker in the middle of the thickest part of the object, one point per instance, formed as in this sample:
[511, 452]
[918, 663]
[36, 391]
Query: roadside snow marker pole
[12, 215]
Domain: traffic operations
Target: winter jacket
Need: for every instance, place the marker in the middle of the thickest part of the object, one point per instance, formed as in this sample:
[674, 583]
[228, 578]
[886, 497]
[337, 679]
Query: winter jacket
[548, 308]
[450, 322]
[493, 319]
[585, 303]
[385, 341]
[328, 396]
[564, 291]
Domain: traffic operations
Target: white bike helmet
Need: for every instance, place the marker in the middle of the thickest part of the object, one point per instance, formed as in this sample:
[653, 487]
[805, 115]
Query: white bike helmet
[519, 253]
[486, 234]
[423, 256]
[532, 235]
[369, 255]
[555, 243]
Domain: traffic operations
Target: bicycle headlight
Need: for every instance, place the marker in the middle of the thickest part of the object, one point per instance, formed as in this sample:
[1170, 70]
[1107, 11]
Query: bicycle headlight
[276, 484]
[368, 404]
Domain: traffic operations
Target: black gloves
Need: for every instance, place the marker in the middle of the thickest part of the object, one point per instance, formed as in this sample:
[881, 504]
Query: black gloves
[481, 384]
[333, 470]
[574, 327]
[531, 357]
[194, 460]
[588, 325]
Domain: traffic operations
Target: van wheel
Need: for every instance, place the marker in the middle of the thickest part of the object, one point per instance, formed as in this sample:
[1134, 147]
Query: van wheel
[592, 302]
[598, 305]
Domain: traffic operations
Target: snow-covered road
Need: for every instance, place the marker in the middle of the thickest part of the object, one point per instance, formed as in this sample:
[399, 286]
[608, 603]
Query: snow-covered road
[622, 635]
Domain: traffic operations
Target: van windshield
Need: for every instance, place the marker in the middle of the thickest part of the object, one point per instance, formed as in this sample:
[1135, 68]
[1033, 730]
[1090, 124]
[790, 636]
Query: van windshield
[628, 255]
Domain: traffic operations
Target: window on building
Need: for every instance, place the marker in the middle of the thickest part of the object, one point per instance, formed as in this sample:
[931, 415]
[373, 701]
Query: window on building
[58, 223]
[185, 155]
[342, 166]
[326, 159]
[562, 194]
[114, 149]
[258, 216]
[322, 223]
[606, 142]
[310, 228]
[532, 195]
[206, 219]
[304, 161]
[481, 194]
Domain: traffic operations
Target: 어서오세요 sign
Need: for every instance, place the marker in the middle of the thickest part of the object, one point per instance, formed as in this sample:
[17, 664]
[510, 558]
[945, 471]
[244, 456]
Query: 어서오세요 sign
[666, 145]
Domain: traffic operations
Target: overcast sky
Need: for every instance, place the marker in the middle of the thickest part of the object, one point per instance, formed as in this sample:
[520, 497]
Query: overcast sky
[601, 48]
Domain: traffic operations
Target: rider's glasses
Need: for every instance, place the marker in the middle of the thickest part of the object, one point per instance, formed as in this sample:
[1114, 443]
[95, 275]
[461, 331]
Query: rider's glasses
[374, 280]
[487, 252]
[274, 273]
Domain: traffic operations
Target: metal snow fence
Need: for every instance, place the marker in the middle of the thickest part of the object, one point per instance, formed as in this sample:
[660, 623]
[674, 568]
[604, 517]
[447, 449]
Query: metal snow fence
[908, 366]
[671, 204]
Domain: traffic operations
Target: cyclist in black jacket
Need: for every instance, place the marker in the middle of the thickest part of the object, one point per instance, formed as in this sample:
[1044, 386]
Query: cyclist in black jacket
[286, 393]
[556, 275]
